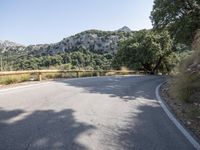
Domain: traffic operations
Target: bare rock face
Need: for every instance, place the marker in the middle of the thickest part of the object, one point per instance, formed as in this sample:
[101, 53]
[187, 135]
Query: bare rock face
[124, 29]
[7, 43]
[93, 40]
[10, 46]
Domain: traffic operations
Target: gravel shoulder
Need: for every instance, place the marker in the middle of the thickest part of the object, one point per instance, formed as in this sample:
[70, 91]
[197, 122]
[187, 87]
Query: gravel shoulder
[186, 113]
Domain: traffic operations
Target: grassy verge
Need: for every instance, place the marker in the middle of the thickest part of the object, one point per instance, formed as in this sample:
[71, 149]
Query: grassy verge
[182, 92]
[186, 88]
[11, 79]
[67, 75]
[187, 112]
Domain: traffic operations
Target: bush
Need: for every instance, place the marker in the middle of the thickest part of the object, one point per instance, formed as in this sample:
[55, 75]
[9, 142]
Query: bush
[186, 86]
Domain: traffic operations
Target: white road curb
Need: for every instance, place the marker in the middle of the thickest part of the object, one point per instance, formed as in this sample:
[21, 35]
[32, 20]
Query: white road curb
[175, 121]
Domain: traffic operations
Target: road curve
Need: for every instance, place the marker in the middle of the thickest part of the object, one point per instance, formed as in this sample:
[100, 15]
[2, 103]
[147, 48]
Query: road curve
[105, 113]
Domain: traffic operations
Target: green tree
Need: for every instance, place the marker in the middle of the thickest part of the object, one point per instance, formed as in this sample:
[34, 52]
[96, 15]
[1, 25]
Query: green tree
[180, 17]
[146, 50]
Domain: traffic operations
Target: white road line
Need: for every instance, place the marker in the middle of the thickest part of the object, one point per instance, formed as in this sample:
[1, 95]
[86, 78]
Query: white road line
[2, 91]
[175, 121]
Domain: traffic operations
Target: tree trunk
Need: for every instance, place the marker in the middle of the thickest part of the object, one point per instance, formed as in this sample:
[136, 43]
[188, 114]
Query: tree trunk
[146, 67]
[157, 65]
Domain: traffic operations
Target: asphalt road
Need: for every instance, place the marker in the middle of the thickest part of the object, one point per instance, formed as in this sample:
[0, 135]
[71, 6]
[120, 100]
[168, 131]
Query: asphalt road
[105, 113]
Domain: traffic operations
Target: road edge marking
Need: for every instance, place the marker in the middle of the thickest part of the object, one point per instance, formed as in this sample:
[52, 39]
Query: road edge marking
[175, 121]
[22, 87]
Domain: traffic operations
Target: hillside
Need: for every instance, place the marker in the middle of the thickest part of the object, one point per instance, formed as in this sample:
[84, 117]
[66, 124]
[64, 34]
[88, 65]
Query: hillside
[10, 46]
[6, 43]
[93, 40]
[92, 49]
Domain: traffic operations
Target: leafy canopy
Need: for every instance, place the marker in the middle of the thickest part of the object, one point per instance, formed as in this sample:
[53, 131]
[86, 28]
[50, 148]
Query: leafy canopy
[79, 59]
[146, 50]
[180, 17]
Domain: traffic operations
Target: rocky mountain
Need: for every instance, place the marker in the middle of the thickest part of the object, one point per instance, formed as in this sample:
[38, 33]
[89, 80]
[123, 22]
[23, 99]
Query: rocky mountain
[7, 43]
[94, 40]
[124, 29]
[10, 46]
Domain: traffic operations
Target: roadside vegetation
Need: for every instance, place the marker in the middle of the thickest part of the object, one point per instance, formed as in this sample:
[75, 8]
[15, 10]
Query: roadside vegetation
[147, 50]
[182, 20]
[11, 79]
[182, 91]
[77, 59]
[186, 83]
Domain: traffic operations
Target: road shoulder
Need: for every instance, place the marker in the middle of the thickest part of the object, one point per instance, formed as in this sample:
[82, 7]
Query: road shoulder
[181, 123]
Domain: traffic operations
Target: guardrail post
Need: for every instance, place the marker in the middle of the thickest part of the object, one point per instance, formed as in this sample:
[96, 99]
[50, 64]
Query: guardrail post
[40, 76]
[91, 74]
[77, 74]
[98, 74]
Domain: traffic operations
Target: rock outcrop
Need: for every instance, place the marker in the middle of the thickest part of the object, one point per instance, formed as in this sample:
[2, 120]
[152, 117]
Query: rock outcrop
[93, 40]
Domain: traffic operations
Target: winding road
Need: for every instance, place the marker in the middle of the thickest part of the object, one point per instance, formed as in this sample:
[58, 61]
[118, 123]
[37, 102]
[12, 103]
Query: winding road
[103, 113]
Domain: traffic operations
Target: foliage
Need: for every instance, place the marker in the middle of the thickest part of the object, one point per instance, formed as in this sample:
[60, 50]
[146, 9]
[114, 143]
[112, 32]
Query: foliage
[146, 50]
[180, 17]
[186, 87]
[80, 59]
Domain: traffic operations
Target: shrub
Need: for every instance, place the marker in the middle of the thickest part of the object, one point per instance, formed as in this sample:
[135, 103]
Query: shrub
[186, 86]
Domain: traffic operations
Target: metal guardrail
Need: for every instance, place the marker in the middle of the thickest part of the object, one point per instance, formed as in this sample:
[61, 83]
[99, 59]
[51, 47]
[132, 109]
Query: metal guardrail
[40, 72]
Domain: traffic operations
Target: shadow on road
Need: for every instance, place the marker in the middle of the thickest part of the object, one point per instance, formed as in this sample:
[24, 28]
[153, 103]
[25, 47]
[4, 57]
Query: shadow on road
[148, 127]
[145, 126]
[46, 130]
[151, 129]
[124, 87]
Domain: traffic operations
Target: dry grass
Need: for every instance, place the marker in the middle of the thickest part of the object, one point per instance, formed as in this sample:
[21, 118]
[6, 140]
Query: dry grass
[11, 79]
[67, 75]
[186, 85]
[5, 80]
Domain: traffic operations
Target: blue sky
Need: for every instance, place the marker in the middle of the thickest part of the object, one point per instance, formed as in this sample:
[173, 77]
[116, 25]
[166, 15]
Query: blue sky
[49, 21]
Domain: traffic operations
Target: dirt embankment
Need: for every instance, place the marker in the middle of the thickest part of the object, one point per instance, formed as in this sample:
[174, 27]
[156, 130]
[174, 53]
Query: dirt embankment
[187, 113]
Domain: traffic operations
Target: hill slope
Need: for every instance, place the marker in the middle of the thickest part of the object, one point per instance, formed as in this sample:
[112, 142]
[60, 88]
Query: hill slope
[93, 40]
[92, 49]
